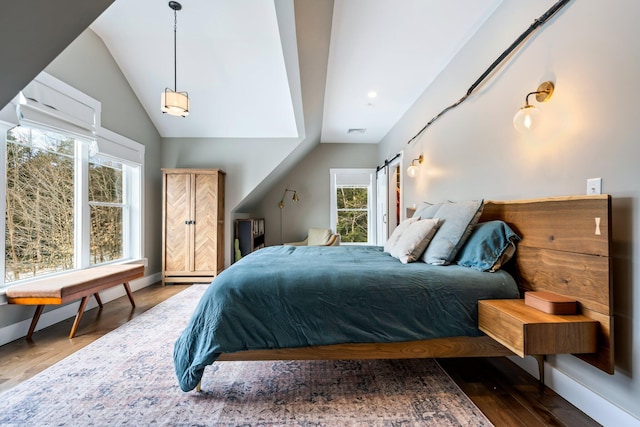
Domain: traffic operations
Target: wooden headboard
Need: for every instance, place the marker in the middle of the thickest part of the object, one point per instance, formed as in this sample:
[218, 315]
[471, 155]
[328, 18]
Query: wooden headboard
[566, 249]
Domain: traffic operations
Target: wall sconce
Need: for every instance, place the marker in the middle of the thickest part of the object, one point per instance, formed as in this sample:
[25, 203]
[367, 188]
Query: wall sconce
[294, 198]
[526, 117]
[412, 170]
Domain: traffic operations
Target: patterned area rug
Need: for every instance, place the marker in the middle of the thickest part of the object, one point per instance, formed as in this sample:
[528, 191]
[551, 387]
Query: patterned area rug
[127, 378]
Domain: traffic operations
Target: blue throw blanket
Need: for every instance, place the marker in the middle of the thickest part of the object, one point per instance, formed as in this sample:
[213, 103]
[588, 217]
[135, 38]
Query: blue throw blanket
[298, 296]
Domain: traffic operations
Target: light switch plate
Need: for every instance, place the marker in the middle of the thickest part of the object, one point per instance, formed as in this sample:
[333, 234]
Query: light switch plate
[594, 186]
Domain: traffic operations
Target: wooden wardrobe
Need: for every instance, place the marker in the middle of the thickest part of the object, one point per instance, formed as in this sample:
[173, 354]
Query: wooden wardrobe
[192, 225]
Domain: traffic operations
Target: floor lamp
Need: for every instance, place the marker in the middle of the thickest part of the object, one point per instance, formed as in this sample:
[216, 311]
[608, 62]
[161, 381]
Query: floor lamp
[295, 198]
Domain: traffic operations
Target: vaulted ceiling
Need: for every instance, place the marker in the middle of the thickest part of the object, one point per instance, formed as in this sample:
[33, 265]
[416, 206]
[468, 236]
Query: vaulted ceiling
[239, 62]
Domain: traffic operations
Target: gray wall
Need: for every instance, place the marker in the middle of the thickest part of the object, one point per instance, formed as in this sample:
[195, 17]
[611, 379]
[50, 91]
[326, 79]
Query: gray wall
[310, 178]
[87, 65]
[589, 129]
[246, 162]
[35, 32]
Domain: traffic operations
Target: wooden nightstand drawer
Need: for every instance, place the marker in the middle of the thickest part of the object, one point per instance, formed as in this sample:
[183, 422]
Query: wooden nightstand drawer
[527, 331]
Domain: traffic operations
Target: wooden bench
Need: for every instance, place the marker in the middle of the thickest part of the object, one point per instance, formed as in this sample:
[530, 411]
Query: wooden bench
[70, 286]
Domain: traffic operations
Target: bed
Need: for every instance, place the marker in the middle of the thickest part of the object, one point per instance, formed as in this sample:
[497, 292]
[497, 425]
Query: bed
[360, 303]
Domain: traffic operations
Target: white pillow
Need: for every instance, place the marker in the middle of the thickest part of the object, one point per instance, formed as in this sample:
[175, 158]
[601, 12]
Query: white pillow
[395, 236]
[458, 220]
[427, 210]
[414, 240]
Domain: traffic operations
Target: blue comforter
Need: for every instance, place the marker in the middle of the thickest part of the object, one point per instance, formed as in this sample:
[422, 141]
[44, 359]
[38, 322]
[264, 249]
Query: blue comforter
[297, 296]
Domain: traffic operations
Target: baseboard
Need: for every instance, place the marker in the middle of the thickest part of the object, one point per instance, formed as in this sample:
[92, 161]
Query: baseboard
[583, 398]
[19, 330]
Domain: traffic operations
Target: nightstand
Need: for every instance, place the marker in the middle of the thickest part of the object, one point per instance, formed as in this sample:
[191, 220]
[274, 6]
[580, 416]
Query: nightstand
[528, 331]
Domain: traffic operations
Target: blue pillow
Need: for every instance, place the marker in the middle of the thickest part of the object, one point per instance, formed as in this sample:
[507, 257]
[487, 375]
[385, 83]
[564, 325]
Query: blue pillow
[489, 247]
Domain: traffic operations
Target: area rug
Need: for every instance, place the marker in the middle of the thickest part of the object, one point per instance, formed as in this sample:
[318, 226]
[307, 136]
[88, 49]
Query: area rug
[127, 378]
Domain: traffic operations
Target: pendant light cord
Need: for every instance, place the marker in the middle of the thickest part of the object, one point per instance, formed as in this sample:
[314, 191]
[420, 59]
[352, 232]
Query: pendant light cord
[175, 50]
[536, 23]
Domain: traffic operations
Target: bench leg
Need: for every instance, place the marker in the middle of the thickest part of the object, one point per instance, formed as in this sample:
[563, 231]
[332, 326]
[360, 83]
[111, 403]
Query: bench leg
[129, 294]
[34, 321]
[74, 328]
[98, 300]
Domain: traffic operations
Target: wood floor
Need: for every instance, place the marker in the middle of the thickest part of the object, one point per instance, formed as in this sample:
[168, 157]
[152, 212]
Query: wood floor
[506, 394]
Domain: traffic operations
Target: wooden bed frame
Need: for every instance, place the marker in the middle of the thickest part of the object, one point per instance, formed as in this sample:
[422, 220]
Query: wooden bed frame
[565, 249]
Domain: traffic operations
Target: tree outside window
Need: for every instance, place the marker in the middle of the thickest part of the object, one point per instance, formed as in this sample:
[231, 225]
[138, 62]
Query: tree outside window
[106, 210]
[353, 205]
[39, 229]
[353, 214]
[41, 215]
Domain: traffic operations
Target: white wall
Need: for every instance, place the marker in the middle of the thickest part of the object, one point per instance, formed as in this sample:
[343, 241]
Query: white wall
[253, 165]
[590, 50]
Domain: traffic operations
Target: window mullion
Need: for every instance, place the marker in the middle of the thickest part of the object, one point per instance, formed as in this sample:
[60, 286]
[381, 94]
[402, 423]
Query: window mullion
[126, 212]
[82, 243]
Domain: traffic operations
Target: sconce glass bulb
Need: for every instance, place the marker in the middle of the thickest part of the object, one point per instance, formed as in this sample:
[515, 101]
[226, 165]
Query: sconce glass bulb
[526, 118]
[412, 170]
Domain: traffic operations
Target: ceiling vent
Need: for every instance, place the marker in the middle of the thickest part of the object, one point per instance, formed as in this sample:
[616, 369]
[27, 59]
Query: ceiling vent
[357, 130]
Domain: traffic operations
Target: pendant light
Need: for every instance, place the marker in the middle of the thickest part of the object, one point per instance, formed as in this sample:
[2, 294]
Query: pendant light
[174, 102]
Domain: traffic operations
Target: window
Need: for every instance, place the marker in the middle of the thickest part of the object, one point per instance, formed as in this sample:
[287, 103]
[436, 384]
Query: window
[352, 205]
[107, 210]
[39, 203]
[72, 199]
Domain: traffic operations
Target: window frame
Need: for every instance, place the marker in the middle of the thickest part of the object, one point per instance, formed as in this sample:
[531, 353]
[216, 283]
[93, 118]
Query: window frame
[340, 174]
[107, 144]
[126, 203]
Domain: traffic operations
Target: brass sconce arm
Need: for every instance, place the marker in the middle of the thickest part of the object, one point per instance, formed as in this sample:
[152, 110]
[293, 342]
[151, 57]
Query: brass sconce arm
[295, 197]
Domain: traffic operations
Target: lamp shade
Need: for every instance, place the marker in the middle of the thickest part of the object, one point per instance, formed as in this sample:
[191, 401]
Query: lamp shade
[526, 118]
[175, 103]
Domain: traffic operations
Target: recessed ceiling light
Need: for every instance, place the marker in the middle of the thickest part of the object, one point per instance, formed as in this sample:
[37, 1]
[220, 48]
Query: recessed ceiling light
[372, 94]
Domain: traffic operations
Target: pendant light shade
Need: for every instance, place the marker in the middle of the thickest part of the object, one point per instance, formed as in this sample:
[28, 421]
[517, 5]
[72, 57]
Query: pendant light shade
[174, 102]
